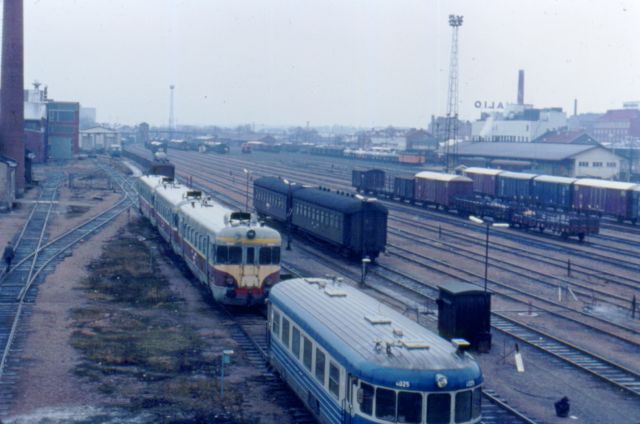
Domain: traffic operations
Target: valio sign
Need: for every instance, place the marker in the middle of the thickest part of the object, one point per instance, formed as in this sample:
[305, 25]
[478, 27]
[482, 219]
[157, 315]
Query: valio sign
[488, 104]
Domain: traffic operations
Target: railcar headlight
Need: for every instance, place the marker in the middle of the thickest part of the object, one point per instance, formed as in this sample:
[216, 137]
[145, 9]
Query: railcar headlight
[441, 380]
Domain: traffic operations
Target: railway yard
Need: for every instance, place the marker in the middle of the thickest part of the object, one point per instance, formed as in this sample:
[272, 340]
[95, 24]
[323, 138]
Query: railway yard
[567, 306]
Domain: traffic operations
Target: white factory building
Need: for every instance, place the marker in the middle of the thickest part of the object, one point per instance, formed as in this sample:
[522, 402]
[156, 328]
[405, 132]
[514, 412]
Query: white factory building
[518, 123]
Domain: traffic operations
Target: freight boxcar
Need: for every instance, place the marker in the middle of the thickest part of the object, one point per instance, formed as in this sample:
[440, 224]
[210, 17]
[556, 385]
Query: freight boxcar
[514, 186]
[552, 192]
[440, 189]
[613, 198]
[484, 180]
[404, 188]
[371, 180]
[410, 159]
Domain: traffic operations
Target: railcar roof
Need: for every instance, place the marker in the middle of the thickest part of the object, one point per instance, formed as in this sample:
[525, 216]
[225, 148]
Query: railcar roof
[174, 193]
[439, 176]
[349, 323]
[617, 185]
[554, 179]
[483, 171]
[263, 235]
[332, 200]
[151, 180]
[276, 184]
[517, 175]
[209, 214]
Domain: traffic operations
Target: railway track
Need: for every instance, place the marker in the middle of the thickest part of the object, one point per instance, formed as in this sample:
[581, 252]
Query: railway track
[35, 257]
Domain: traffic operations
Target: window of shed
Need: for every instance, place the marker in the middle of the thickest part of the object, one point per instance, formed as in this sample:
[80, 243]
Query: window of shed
[409, 407]
[439, 408]
[307, 353]
[320, 366]
[385, 404]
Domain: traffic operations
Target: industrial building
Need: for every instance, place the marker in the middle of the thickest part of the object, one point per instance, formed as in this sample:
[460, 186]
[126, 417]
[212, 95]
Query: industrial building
[63, 130]
[517, 123]
[617, 126]
[570, 160]
[99, 139]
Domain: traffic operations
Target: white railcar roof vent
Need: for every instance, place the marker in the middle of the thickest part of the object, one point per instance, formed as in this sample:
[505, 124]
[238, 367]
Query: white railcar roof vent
[377, 319]
[334, 292]
[415, 344]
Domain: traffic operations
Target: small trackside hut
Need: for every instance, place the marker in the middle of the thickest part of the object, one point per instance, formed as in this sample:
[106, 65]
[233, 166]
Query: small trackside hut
[351, 359]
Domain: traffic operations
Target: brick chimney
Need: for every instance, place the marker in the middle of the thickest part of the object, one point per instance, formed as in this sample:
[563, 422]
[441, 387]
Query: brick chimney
[12, 85]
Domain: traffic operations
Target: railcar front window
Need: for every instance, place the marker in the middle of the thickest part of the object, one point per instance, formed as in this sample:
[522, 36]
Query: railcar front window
[439, 408]
[476, 405]
[265, 255]
[251, 253]
[385, 404]
[275, 256]
[463, 406]
[222, 255]
[235, 255]
[409, 407]
[367, 399]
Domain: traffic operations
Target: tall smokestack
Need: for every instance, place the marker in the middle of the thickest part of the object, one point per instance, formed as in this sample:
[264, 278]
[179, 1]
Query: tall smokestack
[575, 107]
[521, 87]
[12, 84]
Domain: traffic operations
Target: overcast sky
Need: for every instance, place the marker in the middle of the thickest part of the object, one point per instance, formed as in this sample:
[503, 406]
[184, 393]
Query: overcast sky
[354, 62]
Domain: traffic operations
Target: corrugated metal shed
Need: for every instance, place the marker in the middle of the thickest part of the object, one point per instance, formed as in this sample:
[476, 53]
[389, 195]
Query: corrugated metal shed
[534, 151]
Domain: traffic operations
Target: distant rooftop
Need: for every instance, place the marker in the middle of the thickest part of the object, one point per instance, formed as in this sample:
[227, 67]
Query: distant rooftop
[532, 151]
[566, 137]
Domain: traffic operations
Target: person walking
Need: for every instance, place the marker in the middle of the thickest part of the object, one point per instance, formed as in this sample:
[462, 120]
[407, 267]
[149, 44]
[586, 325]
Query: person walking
[8, 255]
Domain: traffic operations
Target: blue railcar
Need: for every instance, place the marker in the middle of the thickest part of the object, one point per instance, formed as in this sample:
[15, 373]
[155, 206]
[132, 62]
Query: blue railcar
[550, 191]
[404, 188]
[514, 186]
[354, 360]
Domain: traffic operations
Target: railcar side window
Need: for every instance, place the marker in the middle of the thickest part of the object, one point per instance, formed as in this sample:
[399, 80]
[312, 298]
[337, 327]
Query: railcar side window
[463, 406]
[276, 323]
[366, 406]
[320, 366]
[222, 255]
[235, 255]
[295, 342]
[306, 355]
[476, 405]
[285, 331]
[385, 404]
[334, 379]
[251, 253]
[439, 408]
[409, 407]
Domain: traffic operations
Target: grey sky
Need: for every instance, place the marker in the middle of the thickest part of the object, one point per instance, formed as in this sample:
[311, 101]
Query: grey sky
[354, 62]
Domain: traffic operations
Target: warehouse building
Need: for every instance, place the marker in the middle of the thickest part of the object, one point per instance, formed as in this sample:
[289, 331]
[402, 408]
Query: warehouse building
[99, 139]
[518, 123]
[617, 126]
[570, 160]
[63, 127]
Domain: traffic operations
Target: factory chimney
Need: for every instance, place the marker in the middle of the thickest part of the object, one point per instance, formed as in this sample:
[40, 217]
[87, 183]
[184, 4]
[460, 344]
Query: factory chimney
[12, 84]
[521, 87]
[575, 107]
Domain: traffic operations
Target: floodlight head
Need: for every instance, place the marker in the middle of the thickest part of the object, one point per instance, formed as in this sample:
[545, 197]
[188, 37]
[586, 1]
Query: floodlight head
[284, 180]
[500, 225]
[455, 20]
[475, 219]
[366, 260]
